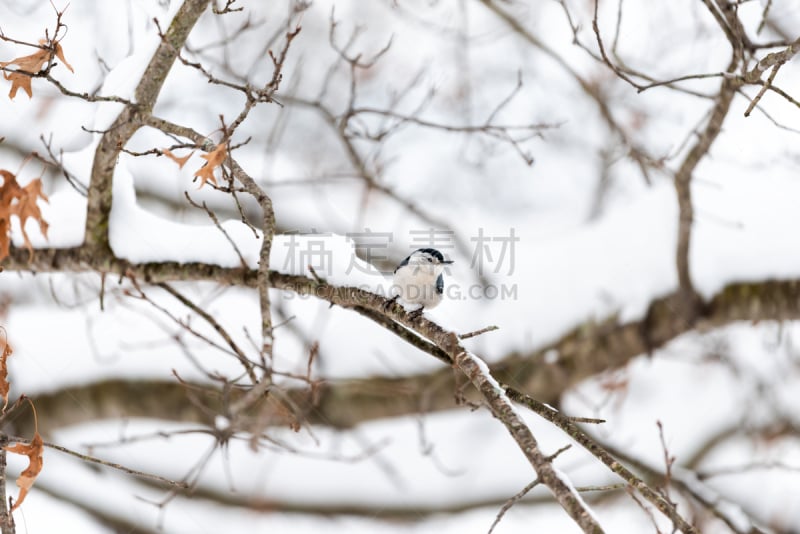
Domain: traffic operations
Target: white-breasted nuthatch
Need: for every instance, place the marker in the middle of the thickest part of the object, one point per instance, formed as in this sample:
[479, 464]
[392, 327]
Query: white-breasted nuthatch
[418, 280]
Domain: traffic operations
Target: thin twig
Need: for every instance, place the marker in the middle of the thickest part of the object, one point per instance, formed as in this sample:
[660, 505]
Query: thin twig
[519, 496]
[468, 335]
[215, 220]
[764, 88]
[246, 363]
[593, 447]
[119, 467]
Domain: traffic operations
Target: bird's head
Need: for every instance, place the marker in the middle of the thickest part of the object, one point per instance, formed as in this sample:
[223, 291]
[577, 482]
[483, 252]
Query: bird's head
[428, 259]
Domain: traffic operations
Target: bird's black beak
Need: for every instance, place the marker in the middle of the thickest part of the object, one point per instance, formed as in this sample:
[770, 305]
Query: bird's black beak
[447, 262]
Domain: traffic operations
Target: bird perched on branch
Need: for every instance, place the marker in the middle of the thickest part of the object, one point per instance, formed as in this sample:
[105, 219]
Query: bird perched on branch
[418, 281]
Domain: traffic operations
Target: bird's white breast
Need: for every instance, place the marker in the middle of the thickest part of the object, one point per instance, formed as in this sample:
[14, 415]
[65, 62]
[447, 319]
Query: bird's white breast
[415, 285]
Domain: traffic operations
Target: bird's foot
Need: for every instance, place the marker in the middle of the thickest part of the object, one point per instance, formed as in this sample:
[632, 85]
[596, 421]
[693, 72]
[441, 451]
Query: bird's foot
[416, 313]
[389, 303]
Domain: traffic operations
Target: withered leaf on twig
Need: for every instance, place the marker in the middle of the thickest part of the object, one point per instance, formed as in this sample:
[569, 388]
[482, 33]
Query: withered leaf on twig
[181, 161]
[35, 453]
[31, 64]
[22, 202]
[214, 159]
[4, 385]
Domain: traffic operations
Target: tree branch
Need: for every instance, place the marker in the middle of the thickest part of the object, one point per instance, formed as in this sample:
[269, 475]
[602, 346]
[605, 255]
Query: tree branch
[129, 120]
[689, 299]
[501, 407]
[597, 450]
[6, 519]
[590, 348]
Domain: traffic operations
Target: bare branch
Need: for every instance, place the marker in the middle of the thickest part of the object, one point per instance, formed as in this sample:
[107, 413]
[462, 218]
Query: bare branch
[689, 300]
[602, 454]
[130, 120]
[248, 365]
[91, 459]
[6, 518]
[503, 410]
[636, 152]
[479, 332]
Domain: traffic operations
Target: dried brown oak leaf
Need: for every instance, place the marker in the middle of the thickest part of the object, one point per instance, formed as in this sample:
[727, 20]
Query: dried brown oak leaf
[4, 385]
[213, 160]
[181, 161]
[34, 451]
[29, 65]
[22, 202]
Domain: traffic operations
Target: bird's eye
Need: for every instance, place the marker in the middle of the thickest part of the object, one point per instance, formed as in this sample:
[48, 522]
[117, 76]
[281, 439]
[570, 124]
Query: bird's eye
[430, 260]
